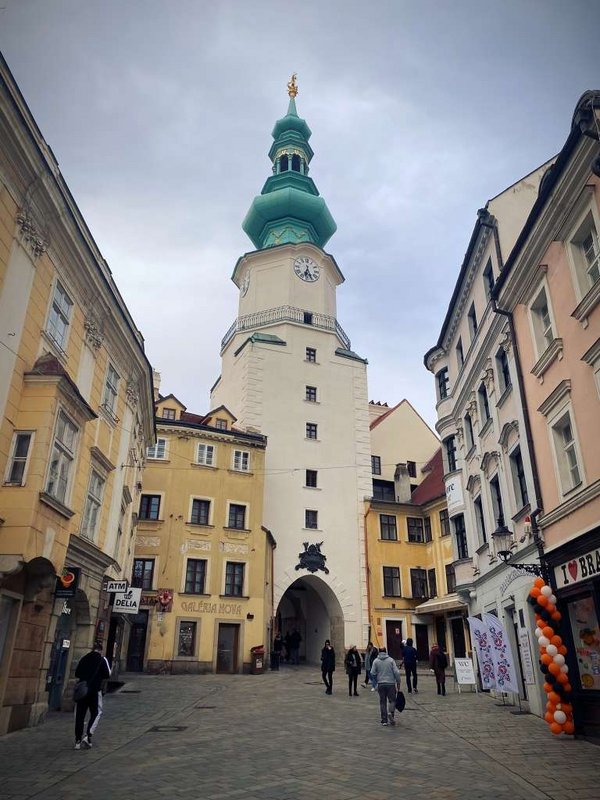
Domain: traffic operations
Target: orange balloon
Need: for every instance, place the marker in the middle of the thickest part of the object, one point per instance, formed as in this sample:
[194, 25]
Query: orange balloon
[563, 650]
[562, 678]
[567, 708]
[539, 582]
[549, 717]
[556, 616]
[547, 687]
[556, 728]
[568, 687]
[548, 632]
[554, 668]
[546, 659]
[535, 592]
[550, 608]
[556, 640]
[543, 600]
[569, 727]
[554, 697]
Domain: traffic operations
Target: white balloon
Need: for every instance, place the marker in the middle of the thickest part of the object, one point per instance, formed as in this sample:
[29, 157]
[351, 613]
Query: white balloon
[558, 659]
[560, 717]
[544, 642]
[552, 598]
[551, 649]
[546, 590]
[538, 631]
[564, 668]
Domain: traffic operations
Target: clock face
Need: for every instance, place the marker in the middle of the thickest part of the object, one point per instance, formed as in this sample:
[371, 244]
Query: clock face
[245, 284]
[307, 269]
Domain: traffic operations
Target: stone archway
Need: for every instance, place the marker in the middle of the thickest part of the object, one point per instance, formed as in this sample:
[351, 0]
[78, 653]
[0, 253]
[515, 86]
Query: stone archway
[312, 607]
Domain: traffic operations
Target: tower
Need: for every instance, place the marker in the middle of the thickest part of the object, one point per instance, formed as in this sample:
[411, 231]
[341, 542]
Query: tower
[288, 371]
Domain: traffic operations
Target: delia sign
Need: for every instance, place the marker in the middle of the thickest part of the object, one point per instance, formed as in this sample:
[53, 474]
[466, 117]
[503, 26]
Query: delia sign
[578, 569]
[128, 602]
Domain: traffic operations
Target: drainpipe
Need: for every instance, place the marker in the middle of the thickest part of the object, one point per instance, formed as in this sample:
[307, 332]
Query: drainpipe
[368, 574]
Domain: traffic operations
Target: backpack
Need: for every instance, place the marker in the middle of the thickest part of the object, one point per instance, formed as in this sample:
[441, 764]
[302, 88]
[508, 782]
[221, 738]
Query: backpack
[442, 661]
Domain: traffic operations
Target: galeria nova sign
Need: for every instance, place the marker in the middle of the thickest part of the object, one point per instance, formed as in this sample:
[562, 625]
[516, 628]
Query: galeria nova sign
[578, 569]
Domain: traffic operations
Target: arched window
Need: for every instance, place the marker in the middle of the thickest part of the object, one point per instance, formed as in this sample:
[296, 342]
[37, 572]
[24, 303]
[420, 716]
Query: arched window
[296, 163]
[284, 164]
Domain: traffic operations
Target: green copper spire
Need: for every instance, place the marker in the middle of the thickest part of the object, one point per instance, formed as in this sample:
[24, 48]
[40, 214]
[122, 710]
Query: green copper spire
[289, 208]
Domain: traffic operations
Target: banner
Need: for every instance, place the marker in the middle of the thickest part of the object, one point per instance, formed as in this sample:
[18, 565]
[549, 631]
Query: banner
[504, 663]
[481, 641]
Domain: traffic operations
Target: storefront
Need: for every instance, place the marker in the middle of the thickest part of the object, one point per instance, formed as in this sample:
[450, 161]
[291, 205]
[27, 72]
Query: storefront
[575, 573]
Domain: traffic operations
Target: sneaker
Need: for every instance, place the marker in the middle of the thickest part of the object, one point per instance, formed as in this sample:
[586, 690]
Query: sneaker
[384, 723]
[77, 745]
[86, 743]
[391, 719]
[373, 689]
[416, 691]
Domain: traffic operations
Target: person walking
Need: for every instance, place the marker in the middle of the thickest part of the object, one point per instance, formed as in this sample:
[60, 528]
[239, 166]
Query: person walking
[295, 639]
[353, 669]
[386, 673]
[277, 648]
[328, 666]
[370, 655]
[409, 654]
[438, 662]
[93, 668]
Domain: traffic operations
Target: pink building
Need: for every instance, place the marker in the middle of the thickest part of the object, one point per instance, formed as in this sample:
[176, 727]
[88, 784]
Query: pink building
[550, 285]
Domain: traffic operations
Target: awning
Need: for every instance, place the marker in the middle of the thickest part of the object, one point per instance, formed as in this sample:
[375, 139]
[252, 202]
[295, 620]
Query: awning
[448, 603]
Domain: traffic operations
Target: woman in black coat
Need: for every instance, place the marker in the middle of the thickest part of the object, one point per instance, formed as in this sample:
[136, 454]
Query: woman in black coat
[353, 669]
[328, 666]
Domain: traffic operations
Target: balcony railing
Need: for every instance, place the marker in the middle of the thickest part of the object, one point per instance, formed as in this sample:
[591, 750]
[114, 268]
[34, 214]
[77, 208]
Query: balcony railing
[272, 316]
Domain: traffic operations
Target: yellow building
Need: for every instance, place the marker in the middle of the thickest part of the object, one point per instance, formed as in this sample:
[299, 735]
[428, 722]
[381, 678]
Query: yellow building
[203, 560]
[75, 419]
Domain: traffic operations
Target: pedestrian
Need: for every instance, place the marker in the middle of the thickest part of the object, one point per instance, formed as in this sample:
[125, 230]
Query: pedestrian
[288, 646]
[370, 655]
[353, 669]
[295, 640]
[387, 675]
[409, 654]
[93, 668]
[277, 648]
[328, 666]
[438, 662]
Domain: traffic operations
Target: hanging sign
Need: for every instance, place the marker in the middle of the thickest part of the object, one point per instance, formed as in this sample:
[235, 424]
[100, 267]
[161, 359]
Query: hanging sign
[454, 495]
[116, 587]
[128, 602]
[578, 569]
[526, 657]
[67, 582]
[465, 674]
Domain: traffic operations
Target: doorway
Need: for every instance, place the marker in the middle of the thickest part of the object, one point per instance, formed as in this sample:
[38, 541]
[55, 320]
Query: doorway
[422, 642]
[440, 632]
[59, 657]
[137, 642]
[458, 637]
[393, 636]
[227, 648]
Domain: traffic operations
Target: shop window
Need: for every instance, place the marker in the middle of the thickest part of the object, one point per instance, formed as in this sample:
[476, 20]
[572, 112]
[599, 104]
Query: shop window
[586, 640]
[186, 639]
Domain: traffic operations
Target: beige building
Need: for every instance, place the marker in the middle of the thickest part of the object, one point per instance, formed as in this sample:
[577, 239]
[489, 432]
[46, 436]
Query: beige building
[551, 288]
[202, 558]
[75, 420]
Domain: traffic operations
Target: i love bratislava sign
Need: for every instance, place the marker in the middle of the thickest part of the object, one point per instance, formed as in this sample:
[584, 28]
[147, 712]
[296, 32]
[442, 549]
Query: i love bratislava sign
[581, 568]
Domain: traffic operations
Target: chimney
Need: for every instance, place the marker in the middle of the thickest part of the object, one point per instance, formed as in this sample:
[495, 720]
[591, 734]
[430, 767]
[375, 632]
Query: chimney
[156, 382]
[402, 484]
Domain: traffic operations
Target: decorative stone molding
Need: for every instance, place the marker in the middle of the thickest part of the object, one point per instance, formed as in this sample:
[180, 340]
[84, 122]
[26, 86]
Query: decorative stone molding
[473, 483]
[31, 235]
[194, 544]
[489, 458]
[562, 391]
[554, 350]
[230, 547]
[505, 433]
[587, 305]
[94, 333]
[147, 541]
[472, 407]
[506, 342]
[487, 376]
[460, 435]
[132, 394]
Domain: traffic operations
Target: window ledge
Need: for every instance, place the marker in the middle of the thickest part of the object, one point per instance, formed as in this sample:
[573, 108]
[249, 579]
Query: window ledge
[158, 460]
[154, 523]
[522, 512]
[199, 525]
[486, 427]
[233, 471]
[311, 529]
[237, 530]
[313, 488]
[587, 304]
[310, 439]
[316, 363]
[411, 541]
[56, 505]
[388, 540]
[575, 500]
[14, 484]
[56, 348]
[194, 594]
[482, 548]
[108, 415]
[203, 466]
[234, 596]
[506, 393]
[552, 352]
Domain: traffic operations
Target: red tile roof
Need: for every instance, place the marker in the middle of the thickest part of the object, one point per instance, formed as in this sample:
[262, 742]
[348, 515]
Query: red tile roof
[432, 486]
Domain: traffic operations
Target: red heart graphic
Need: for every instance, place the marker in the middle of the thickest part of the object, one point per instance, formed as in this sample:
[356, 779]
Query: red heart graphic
[572, 565]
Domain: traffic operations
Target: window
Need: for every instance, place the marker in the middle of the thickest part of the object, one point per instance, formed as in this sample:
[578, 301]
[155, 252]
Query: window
[542, 323]
[195, 576]
[411, 466]
[469, 432]
[484, 404]
[307, 318]
[384, 490]
[432, 582]
[488, 279]
[460, 535]
[311, 478]
[284, 163]
[200, 512]
[168, 413]
[311, 355]
[376, 465]
[296, 163]
[63, 455]
[566, 453]
[518, 476]
[427, 525]
[418, 583]
[460, 356]
[311, 430]
[311, 518]
[480, 519]
[18, 459]
[237, 516]
[591, 253]
[157, 450]
[503, 369]
[143, 573]
[311, 394]
[149, 506]
[234, 579]
[221, 424]
[241, 460]
[387, 527]
[93, 504]
[111, 389]
[450, 579]
[60, 315]
[415, 529]
[585, 249]
[441, 378]
[450, 447]
[206, 455]
[444, 522]
[186, 639]
[496, 494]
[472, 317]
[391, 581]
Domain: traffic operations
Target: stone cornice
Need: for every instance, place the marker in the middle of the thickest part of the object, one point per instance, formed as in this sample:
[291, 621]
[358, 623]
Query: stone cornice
[593, 354]
[552, 352]
[555, 397]
[582, 498]
[587, 305]
[192, 430]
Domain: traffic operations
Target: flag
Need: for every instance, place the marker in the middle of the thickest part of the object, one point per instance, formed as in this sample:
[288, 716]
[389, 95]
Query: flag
[481, 640]
[504, 663]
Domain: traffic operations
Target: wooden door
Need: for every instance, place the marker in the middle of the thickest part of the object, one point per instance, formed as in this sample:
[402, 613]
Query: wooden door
[458, 637]
[393, 631]
[137, 643]
[422, 643]
[227, 648]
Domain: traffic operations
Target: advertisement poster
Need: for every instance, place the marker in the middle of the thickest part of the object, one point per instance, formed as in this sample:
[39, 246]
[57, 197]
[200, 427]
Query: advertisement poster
[67, 582]
[586, 637]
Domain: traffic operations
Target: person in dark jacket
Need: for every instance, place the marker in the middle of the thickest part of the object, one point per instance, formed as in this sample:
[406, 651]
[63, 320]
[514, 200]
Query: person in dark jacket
[93, 668]
[353, 669]
[328, 666]
[295, 639]
[438, 662]
[276, 651]
[371, 654]
[409, 655]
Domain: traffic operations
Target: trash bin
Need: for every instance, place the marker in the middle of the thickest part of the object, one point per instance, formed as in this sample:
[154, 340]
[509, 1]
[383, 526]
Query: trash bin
[258, 659]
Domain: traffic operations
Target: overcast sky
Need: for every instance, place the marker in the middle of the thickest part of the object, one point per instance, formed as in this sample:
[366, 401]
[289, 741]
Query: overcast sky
[160, 114]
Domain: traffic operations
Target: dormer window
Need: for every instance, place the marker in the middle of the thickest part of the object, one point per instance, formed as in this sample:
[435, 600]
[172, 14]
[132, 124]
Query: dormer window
[295, 163]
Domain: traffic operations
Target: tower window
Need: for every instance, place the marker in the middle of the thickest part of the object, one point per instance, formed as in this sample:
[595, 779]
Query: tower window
[296, 163]
[311, 354]
[284, 164]
[308, 317]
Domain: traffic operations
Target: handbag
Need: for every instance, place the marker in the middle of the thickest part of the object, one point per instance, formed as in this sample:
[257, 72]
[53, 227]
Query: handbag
[400, 701]
[82, 689]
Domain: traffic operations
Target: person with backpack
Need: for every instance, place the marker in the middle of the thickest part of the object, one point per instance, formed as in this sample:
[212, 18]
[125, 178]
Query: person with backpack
[385, 671]
[353, 669]
[91, 671]
[409, 655]
[438, 662]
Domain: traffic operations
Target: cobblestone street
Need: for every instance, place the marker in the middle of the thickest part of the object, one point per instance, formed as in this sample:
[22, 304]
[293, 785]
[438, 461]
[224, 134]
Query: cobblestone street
[279, 736]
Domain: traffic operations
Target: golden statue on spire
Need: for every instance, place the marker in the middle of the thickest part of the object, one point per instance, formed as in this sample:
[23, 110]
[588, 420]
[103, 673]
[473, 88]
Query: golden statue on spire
[292, 86]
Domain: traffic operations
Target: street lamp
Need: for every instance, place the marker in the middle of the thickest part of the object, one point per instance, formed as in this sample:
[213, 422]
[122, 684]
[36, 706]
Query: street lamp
[503, 539]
